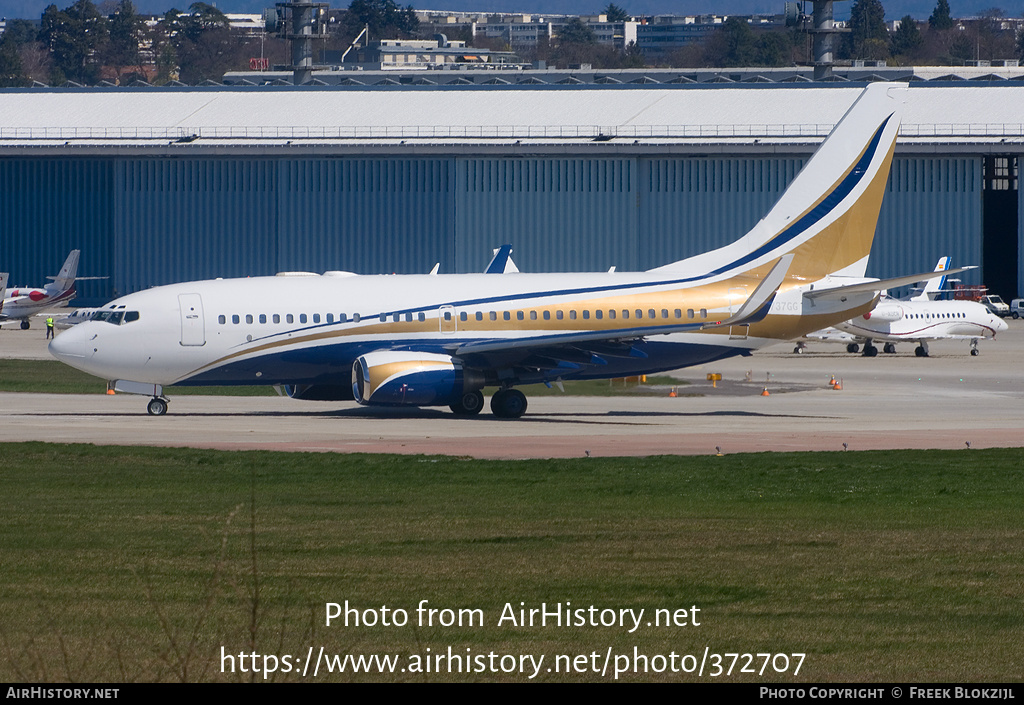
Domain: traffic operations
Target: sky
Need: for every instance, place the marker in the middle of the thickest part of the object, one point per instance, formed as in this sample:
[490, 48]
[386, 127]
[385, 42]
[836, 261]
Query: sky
[894, 9]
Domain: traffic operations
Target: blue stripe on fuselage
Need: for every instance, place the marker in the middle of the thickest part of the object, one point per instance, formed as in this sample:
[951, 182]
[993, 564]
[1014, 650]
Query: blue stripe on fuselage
[332, 364]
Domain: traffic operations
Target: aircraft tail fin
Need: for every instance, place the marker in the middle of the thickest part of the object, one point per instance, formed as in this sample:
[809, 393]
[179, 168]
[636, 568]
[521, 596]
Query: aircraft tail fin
[502, 262]
[827, 216]
[930, 288]
[65, 279]
[3, 289]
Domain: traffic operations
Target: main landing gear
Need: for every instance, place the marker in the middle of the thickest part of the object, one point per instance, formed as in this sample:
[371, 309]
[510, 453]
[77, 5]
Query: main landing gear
[505, 404]
[25, 324]
[974, 344]
[508, 403]
[470, 404]
[157, 406]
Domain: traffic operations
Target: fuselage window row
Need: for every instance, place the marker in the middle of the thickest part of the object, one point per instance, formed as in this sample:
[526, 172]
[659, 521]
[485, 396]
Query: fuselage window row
[409, 317]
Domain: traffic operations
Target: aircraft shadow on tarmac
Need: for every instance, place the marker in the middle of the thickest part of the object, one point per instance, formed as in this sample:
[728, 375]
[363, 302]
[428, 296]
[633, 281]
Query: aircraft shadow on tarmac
[405, 413]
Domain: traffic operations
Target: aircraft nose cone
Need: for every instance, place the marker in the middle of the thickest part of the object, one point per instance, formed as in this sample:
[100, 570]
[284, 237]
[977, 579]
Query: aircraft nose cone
[70, 345]
[999, 325]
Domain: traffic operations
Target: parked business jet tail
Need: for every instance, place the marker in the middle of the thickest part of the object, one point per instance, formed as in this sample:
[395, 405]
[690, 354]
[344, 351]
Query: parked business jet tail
[25, 302]
[930, 289]
[502, 262]
[440, 339]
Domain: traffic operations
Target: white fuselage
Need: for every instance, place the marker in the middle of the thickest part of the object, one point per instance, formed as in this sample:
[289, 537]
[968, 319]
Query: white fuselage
[310, 329]
[23, 302]
[894, 321]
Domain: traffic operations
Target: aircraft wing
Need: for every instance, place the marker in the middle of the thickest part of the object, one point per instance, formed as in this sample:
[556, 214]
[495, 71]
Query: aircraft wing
[587, 347]
[879, 284]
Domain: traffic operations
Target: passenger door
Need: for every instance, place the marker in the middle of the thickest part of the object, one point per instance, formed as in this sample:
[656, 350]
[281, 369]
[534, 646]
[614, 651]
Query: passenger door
[193, 326]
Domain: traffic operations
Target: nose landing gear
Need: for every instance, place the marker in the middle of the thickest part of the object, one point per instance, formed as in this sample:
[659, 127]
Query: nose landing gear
[157, 406]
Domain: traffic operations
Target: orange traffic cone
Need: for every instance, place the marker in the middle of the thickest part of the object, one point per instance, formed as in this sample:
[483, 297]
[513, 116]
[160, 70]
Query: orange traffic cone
[673, 392]
[110, 391]
[838, 386]
[765, 392]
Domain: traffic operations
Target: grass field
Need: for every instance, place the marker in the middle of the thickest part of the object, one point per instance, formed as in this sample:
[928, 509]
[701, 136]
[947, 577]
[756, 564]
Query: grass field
[139, 564]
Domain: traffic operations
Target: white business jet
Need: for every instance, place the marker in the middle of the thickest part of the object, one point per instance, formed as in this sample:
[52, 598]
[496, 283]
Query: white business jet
[24, 302]
[919, 319]
[441, 339]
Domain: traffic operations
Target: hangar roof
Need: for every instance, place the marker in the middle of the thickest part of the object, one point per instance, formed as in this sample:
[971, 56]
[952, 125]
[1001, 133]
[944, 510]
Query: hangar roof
[690, 118]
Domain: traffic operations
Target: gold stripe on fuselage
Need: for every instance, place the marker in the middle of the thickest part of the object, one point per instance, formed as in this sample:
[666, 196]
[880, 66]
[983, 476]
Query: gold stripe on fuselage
[718, 299]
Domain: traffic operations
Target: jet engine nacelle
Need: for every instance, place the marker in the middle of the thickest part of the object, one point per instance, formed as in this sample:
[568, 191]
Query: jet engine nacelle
[411, 378]
[885, 314]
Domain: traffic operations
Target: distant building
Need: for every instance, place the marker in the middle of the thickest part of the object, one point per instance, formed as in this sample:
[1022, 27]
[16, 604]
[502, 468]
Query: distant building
[661, 35]
[423, 54]
[524, 32]
[396, 178]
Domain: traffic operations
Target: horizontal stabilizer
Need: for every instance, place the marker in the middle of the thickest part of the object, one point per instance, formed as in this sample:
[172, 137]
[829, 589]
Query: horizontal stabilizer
[77, 279]
[879, 284]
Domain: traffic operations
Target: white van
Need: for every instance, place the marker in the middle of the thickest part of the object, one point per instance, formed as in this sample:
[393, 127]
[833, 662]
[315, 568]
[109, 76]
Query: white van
[996, 305]
[1015, 307]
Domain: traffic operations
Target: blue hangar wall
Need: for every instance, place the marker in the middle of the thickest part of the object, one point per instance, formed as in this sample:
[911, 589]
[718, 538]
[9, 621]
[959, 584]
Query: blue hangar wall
[145, 221]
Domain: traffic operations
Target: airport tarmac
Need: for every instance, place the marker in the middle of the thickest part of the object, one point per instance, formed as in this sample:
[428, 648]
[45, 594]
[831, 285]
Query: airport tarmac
[890, 401]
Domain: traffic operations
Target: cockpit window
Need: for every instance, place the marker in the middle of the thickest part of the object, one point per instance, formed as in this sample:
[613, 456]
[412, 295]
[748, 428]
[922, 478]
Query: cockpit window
[115, 317]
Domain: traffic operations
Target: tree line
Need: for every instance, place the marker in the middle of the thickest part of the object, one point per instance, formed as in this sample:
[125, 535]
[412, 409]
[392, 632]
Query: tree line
[84, 44]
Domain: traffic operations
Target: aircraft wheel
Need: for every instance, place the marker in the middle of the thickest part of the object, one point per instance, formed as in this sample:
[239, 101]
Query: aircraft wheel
[852, 348]
[25, 324]
[974, 351]
[889, 348]
[157, 407]
[798, 350]
[870, 351]
[469, 404]
[920, 351]
[508, 403]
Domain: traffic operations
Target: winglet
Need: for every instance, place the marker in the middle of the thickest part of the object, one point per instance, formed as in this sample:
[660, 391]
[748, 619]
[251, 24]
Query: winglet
[757, 304]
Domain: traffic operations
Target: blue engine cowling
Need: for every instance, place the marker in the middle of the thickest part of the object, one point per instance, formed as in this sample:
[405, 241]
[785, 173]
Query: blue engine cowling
[398, 378]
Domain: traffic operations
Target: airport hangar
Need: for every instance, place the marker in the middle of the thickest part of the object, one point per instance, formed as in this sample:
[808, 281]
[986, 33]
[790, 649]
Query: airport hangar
[160, 185]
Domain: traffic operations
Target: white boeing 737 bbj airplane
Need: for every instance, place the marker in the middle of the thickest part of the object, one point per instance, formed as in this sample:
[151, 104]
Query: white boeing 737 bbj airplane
[436, 340]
